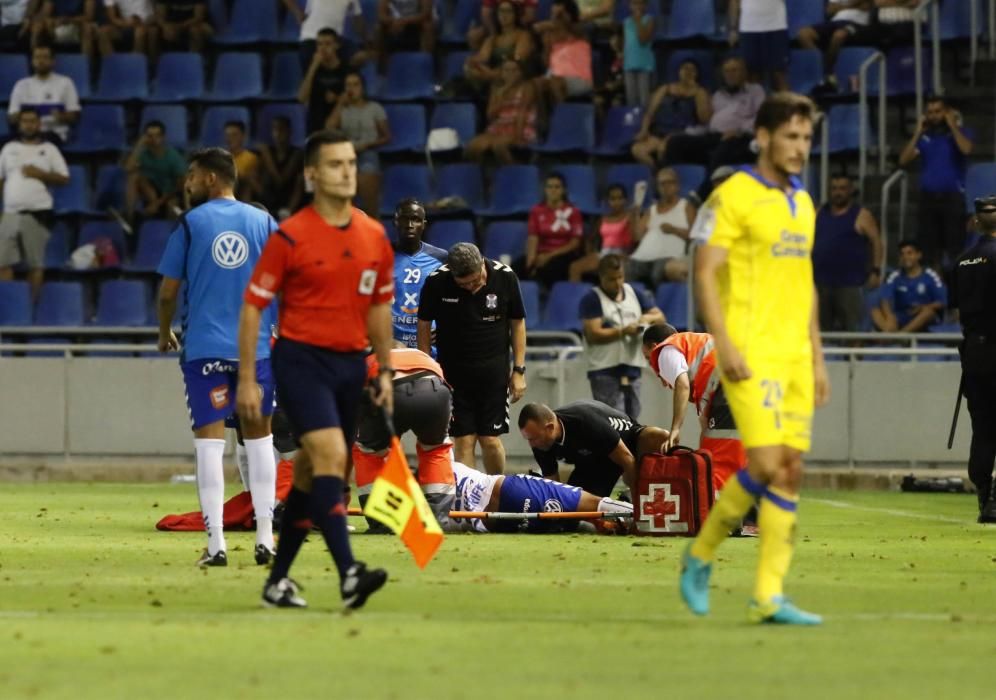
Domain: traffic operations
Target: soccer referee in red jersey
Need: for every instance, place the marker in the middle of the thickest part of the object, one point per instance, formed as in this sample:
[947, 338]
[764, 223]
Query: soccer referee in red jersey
[332, 270]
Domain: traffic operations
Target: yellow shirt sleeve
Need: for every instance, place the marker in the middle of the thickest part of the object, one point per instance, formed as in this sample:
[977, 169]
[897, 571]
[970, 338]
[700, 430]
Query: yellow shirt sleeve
[722, 226]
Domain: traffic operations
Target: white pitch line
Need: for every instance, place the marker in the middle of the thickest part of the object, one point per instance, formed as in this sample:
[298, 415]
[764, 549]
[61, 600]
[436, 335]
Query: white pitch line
[892, 511]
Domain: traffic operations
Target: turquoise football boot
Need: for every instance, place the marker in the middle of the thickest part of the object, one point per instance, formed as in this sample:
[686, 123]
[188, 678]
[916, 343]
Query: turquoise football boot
[695, 582]
[781, 611]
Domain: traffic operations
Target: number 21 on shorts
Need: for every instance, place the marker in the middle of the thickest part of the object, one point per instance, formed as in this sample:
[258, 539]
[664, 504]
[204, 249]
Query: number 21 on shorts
[773, 398]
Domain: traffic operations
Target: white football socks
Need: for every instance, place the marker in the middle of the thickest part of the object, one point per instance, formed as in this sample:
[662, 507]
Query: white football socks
[242, 460]
[263, 486]
[611, 505]
[211, 489]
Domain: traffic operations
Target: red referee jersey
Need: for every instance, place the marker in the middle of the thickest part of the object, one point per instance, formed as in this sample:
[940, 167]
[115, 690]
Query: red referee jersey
[327, 278]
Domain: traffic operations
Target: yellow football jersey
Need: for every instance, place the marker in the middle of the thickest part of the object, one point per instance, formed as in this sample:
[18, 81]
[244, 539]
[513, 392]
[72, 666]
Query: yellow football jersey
[766, 287]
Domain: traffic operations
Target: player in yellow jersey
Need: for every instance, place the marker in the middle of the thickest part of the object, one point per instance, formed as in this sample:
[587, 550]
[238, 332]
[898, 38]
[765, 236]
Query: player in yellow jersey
[754, 282]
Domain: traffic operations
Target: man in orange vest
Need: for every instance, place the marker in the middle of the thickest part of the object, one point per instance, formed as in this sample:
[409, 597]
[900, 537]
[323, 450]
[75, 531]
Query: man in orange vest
[422, 404]
[686, 364]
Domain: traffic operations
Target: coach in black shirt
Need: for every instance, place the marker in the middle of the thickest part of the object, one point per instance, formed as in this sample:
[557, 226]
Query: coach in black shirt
[478, 311]
[601, 442]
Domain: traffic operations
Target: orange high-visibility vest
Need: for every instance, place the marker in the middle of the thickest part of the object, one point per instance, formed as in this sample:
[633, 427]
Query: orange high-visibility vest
[700, 354]
[405, 361]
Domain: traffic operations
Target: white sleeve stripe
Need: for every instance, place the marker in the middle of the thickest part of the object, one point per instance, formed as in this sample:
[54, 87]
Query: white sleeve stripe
[386, 288]
[260, 292]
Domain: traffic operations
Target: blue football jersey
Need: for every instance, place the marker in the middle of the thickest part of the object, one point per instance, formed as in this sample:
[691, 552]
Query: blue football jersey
[410, 273]
[215, 254]
[906, 292]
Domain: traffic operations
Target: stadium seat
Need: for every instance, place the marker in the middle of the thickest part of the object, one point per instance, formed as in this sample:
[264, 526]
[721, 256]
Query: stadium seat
[15, 304]
[401, 181]
[692, 19]
[690, 177]
[581, 188]
[173, 117]
[249, 22]
[672, 299]
[514, 191]
[461, 180]
[804, 13]
[628, 174]
[455, 24]
[73, 198]
[57, 247]
[13, 67]
[285, 74]
[848, 69]
[700, 57]
[101, 128]
[92, 230]
[844, 121]
[409, 77]
[562, 306]
[407, 125]
[371, 79]
[505, 238]
[445, 232]
[179, 77]
[980, 181]
[572, 128]
[109, 190]
[290, 30]
[60, 304]
[123, 76]
[152, 237]
[618, 132]
[901, 70]
[531, 303]
[459, 116]
[237, 77]
[122, 303]
[4, 129]
[453, 64]
[77, 67]
[294, 111]
[213, 123]
[956, 20]
[805, 70]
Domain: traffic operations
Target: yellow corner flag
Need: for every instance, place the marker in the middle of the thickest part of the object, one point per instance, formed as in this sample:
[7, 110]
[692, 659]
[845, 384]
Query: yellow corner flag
[397, 501]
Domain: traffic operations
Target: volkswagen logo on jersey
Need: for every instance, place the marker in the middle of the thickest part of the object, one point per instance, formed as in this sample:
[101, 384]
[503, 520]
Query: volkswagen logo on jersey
[491, 301]
[552, 505]
[230, 249]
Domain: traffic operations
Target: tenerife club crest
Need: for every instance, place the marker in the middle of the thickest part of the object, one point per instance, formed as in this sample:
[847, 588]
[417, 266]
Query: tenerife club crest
[491, 301]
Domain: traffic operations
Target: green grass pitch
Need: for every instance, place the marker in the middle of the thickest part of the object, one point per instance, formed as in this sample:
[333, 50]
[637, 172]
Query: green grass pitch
[94, 603]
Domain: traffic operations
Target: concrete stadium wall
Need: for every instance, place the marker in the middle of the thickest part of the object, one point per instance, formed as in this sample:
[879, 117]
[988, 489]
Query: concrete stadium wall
[885, 412]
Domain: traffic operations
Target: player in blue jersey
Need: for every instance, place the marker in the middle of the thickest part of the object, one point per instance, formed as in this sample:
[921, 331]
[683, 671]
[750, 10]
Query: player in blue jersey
[214, 250]
[913, 297]
[414, 261]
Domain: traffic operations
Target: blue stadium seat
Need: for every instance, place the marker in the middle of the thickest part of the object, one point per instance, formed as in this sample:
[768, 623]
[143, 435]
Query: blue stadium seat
[109, 190]
[844, 121]
[901, 70]
[77, 67]
[173, 117]
[581, 188]
[213, 123]
[4, 129]
[57, 247]
[531, 303]
[572, 128]
[371, 79]
[805, 70]
[692, 19]
[15, 304]
[401, 181]
[562, 306]
[249, 22]
[628, 174]
[456, 23]
[122, 303]
[700, 57]
[179, 77]
[453, 64]
[804, 13]
[690, 176]
[956, 20]
[13, 67]
[407, 125]
[285, 74]
[123, 76]
[101, 128]
[505, 238]
[980, 181]
[459, 116]
[514, 191]
[152, 237]
[60, 304]
[294, 111]
[461, 180]
[445, 232]
[237, 77]
[672, 299]
[848, 68]
[409, 77]
[618, 132]
[73, 198]
[91, 230]
[290, 30]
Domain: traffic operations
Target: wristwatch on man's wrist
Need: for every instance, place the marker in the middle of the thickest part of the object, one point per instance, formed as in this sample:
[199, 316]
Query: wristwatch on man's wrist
[519, 369]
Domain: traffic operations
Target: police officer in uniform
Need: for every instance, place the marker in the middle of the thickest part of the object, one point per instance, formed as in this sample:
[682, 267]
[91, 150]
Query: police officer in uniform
[973, 293]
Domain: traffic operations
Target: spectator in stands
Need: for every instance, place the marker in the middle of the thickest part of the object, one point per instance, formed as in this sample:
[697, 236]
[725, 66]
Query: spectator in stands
[247, 187]
[844, 18]
[511, 117]
[129, 22]
[847, 257]
[598, 14]
[614, 316]
[944, 145]
[404, 25]
[526, 10]
[568, 53]
[510, 41]
[52, 95]
[611, 88]
[281, 171]
[662, 233]
[893, 25]
[639, 61]
[674, 107]
[731, 126]
[760, 27]
[554, 234]
[67, 23]
[365, 123]
[614, 234]
[184, 19]
[29, 167]
[913, 296]
[156, 172]
[326, 14]
[324, 81]
[15, 24]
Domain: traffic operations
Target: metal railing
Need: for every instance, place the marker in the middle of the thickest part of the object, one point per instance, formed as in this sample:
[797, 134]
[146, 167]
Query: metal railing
[919, 16]
[824, 158]
[992, 30]
[901, 177]
[879, 58]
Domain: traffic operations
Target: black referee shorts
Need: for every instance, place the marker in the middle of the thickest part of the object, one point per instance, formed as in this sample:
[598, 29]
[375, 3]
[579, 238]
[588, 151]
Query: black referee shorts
[480, 400]
[421, 404]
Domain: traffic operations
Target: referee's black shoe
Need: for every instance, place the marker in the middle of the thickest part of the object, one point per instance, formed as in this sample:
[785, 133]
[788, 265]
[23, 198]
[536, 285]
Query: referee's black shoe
[283, 594]
[359, 584]
[263, 554]
[987, 514]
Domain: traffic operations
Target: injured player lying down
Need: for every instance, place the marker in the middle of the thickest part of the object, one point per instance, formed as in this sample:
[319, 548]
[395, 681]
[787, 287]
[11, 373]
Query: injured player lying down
[523, 493]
